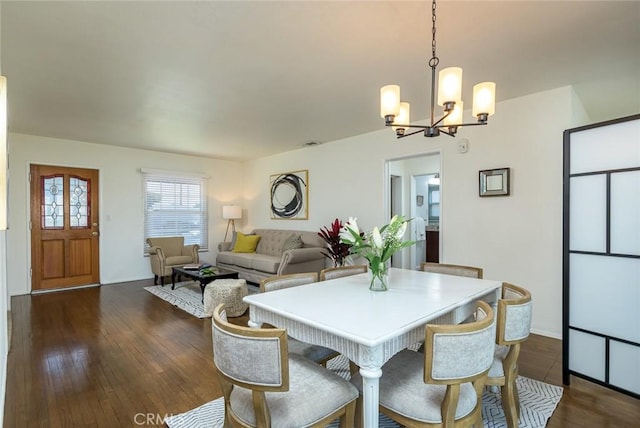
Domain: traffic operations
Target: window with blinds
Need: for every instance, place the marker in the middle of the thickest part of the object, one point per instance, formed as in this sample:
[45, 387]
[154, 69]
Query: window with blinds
[175, 205]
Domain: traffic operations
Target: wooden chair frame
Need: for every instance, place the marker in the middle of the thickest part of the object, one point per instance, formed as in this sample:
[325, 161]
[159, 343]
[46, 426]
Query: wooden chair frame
[342, 271]
[450, 402]
[438, 267]
[507, 383]
[305, 278]
[260, 405]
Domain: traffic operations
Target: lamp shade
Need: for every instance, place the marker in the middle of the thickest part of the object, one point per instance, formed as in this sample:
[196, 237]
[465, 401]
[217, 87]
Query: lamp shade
[455, 117]
[404, 118]
[390, 100]
[231, 212]
[450, 85]
[484, 98]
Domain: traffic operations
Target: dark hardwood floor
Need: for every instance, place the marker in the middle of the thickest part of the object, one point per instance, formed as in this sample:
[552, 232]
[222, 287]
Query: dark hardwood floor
[117, 356]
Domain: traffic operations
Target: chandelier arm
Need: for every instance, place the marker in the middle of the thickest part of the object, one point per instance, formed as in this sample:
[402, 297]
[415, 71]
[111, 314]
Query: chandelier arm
[414, 132]
[398, 125]
[457, 125]
[435, 125]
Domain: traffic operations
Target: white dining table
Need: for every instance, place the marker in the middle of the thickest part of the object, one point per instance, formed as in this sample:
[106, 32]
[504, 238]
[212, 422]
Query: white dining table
[369, 327]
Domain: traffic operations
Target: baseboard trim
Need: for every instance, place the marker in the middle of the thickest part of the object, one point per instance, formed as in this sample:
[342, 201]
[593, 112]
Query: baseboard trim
[53, 290]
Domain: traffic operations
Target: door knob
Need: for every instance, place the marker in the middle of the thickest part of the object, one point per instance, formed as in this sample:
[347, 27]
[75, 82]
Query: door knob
[94, 233]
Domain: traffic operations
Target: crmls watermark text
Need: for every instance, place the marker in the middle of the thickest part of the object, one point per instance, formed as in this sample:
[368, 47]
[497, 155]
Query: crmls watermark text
[149, 419]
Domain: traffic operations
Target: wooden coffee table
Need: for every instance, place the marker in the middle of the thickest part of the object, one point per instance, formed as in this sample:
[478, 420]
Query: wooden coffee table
[202, 279]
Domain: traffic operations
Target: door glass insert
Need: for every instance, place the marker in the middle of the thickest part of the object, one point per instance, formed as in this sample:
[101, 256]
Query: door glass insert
[79, 206]
[52, 212]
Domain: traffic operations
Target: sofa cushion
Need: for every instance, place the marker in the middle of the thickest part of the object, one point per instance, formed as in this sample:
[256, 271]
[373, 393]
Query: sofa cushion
[294, 241]
[255, 261]
[226, 257]
[273, 239]
[244, 260]
[246, 243]
[265, 263]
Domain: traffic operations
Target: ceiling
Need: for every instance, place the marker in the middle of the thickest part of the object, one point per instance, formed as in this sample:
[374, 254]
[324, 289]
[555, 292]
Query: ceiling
[240, 80]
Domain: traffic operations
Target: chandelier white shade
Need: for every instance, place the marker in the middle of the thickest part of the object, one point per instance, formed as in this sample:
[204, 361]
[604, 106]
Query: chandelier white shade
[389, 100]
[450, 85]
[484, 99]
[396, 112]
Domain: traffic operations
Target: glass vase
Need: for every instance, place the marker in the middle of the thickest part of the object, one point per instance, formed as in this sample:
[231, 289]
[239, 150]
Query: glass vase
[379, 277]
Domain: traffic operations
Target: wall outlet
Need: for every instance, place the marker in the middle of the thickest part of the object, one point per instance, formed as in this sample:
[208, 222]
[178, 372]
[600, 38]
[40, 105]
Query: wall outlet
[463, 145]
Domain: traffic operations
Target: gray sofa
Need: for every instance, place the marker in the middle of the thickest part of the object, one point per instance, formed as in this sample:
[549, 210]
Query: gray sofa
[270, 259]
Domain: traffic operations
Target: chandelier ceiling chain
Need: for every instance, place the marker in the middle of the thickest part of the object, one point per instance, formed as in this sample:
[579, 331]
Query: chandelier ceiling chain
[433, 34]
[396, 113]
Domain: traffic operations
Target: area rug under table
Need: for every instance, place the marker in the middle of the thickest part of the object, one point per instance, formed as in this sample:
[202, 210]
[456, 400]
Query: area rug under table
[187, 296]
[538, 400]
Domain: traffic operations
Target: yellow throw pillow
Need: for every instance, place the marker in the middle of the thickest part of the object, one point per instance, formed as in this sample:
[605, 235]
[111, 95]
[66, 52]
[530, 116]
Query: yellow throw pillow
[246, 243]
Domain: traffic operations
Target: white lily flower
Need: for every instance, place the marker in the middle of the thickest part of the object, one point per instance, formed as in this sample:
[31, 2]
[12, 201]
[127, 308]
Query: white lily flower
[349, 231]
[352, 223]
[377, 238]
[346, 235]
[401, 231]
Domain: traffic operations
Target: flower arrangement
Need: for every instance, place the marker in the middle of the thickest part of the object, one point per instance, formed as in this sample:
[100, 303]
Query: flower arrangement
[337, 251]
[376, 246]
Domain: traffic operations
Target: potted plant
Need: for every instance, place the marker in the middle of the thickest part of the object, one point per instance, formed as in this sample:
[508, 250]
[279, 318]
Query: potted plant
[336, 250]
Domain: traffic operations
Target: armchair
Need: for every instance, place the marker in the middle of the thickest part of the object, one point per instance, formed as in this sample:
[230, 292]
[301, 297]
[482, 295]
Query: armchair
[169, 252]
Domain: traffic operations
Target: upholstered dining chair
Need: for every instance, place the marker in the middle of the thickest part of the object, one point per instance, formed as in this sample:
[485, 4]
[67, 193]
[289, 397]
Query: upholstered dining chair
[442, 387]
[279, 282]
[513, 327]
[316, 353]
[340, 271]
[447, 269]
[266, 386]
[169, 252]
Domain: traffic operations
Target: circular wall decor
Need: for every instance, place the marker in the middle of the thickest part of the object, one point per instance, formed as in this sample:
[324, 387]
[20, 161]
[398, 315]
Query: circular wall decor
[288, 195]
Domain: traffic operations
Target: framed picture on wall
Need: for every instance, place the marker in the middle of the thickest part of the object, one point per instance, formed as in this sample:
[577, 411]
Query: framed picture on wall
[289, 194]
[494, 182]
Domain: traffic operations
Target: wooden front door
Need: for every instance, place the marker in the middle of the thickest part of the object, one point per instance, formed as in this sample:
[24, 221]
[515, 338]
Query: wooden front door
[64, 227]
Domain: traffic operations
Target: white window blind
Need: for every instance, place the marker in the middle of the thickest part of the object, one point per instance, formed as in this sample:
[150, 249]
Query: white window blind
[175, 205]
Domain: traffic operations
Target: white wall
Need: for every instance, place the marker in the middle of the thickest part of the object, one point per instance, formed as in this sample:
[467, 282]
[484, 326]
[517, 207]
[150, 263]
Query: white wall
[516, 239]
[121, 237]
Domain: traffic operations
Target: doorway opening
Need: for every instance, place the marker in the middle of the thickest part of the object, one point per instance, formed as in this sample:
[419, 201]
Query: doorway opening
[413, 193]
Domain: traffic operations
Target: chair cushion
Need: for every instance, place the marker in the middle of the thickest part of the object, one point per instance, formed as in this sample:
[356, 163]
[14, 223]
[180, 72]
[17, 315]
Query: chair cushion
[178, 260]
[316, 353]
[402, 389]
[246, 243]
[314, 393]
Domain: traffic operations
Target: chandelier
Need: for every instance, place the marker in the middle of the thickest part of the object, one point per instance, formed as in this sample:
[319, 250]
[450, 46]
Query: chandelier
[396, 113]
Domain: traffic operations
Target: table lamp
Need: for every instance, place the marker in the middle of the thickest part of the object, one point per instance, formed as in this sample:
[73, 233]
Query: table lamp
[231, 213]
